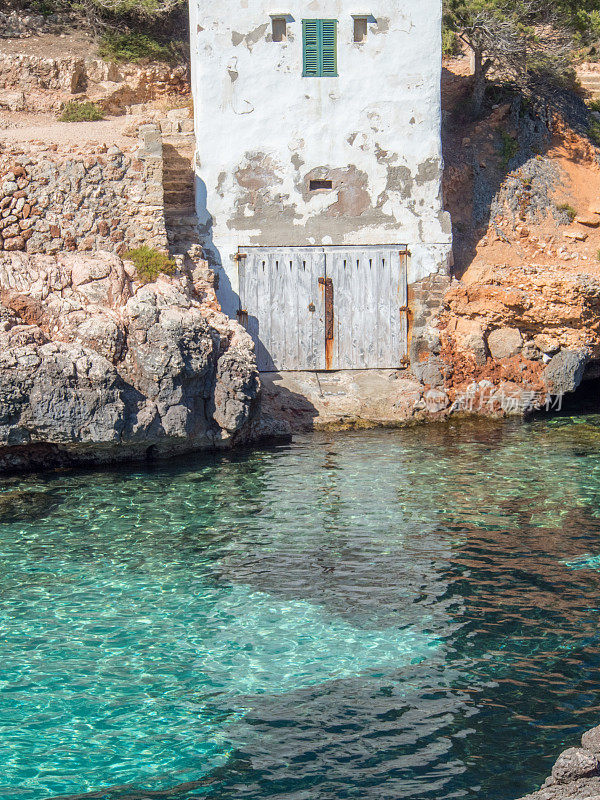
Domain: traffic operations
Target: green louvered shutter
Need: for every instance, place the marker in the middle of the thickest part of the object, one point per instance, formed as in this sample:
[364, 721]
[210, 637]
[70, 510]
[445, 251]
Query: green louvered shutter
[319, 41]
[311, 48]
[328, 48]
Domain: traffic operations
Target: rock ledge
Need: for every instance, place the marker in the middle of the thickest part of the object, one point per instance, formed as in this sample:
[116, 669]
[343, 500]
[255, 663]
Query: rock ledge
[96, 367]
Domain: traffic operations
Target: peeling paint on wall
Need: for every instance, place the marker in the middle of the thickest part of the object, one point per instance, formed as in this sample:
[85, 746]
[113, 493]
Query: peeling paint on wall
[264, 132]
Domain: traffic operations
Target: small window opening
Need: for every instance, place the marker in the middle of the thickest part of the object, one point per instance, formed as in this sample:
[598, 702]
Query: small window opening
[319, 184]
[360, 29]
[279, 29]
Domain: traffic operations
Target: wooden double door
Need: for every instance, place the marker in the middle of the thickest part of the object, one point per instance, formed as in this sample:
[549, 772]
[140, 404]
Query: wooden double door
[325, 308]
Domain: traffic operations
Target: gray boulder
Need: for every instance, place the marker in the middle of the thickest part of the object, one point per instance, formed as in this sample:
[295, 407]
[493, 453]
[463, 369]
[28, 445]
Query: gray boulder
[565, 371]
[475, 344]
[573, 764]
[505, 342]
[431, 372]
[96, 367]
[591, 740]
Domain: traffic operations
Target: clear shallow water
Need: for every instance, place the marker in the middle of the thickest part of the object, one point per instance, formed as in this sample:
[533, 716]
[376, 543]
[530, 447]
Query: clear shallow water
[404, 614]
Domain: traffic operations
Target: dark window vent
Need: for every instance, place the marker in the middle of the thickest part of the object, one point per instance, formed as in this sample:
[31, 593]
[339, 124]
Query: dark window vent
[319, 184]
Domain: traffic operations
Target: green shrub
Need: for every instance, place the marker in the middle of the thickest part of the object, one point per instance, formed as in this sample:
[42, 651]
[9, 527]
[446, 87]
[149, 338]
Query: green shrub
[133, 47]
[594, 105]
[594, 132]
[150, 263]
[567, 208]
[510, 148]
[85, 111]
[450, 43]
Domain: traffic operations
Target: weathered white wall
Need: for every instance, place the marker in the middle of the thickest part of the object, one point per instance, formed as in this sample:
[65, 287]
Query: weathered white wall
[263, 131]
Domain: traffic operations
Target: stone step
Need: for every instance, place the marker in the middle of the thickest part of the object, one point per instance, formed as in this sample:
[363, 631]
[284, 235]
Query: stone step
[181, 212]
[186, 211]
[178, 197]
[180, 161]
[179, 138]
[182, 170]
[181, 222]
[178, 186]
[183, 233]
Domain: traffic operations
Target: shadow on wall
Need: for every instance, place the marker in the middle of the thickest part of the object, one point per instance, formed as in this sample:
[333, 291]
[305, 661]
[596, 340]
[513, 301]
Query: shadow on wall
[226, 294]
[482, 157]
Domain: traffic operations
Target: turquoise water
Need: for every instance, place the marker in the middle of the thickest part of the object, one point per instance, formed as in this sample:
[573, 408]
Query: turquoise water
[400, 614]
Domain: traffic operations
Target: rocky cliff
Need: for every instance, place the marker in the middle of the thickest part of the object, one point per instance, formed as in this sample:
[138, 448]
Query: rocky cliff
[98, 367]
[576, 773]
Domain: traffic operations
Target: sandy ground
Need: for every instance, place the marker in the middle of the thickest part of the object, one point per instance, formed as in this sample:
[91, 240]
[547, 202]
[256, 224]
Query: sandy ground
[18, 127]
[74, 42]
[540, 244]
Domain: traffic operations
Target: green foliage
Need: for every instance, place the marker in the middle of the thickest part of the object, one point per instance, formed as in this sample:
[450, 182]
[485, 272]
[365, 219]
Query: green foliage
[510, 148]
[594, 131]
[514, 38]
[594, 105]
[128, 29]
[586, 23]
[139, 8]
[450, 43]
[85, 111]
[567, 208]
[150, 263]
[133, 47]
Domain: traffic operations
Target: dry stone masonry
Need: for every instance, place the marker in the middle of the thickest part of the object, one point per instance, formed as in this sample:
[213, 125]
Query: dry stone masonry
[33, 83]
[90, 199]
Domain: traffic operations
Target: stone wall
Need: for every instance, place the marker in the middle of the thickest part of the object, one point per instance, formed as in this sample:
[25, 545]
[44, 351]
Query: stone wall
[425, 301]
[89, 198]
[16, 23]
[32, 83]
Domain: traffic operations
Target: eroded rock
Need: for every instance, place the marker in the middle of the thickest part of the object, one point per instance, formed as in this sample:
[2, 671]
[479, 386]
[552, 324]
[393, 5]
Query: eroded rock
[505, 342]
[591, 740]
[96, 367]
[573, 764]
[565, 371]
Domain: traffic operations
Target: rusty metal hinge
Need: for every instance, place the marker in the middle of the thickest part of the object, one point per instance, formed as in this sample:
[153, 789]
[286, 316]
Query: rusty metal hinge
[239, 256]
[329, 318]
[405, 252]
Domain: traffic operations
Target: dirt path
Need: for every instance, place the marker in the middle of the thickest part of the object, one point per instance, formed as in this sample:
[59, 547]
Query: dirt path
[18, 127]
[74, 42]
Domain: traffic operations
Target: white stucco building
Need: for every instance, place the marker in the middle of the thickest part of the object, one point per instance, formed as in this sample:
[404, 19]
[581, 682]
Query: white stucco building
[318, 147]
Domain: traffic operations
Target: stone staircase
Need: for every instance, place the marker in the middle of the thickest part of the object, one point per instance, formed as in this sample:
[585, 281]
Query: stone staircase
[179, 146]
[589, 77]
